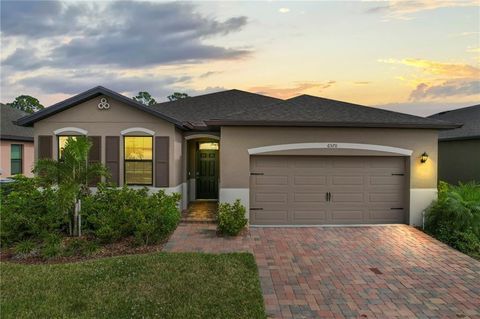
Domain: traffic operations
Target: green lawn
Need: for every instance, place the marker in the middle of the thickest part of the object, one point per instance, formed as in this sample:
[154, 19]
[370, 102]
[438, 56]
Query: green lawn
[162, 285]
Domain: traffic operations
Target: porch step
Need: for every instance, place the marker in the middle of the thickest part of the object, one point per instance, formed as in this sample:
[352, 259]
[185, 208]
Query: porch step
[190, 220]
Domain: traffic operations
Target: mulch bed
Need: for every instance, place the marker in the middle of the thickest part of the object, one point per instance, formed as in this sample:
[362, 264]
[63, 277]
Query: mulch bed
[120, 248]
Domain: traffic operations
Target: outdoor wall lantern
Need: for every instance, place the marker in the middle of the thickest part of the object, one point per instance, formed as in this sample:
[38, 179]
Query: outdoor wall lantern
[424, 157]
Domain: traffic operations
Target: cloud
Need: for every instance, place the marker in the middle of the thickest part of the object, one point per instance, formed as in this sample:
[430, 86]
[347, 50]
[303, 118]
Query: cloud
[362, 82]
[402, 9]
[120, 34]
[285, 93]
[446, 89]
[284, 10]
[438, 68]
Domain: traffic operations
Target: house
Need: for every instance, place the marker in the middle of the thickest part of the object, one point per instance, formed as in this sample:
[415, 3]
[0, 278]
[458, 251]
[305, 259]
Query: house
[459, 149]
[301, 161]
[16, 144]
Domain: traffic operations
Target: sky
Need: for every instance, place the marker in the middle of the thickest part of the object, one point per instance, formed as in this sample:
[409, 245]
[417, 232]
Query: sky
[417, 57]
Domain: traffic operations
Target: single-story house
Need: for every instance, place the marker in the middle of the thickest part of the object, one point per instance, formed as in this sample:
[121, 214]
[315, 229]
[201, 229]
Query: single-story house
[16, 144]
[459, 149]
[302, 161]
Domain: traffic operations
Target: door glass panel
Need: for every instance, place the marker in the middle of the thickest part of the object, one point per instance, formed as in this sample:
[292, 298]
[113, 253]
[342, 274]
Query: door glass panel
[208, 146]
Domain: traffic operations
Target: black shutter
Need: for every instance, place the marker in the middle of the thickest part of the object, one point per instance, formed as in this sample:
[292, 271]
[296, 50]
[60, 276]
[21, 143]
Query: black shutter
[95, 155]
[45, 147]
[161, 161]
[112, 158]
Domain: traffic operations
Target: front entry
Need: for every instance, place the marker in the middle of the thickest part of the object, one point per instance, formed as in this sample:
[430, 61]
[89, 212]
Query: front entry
[207, 172]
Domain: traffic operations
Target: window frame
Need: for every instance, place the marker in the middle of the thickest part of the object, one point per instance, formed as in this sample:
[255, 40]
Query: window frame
[125, 160]
[16, 159]
[58, 143]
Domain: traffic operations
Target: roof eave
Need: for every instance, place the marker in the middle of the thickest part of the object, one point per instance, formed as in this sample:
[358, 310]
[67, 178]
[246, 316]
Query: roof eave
[16, 138]
[331, 124]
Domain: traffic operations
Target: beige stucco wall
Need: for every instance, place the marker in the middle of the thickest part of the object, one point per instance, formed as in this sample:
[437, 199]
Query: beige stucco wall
[5, 157]
[111, 122]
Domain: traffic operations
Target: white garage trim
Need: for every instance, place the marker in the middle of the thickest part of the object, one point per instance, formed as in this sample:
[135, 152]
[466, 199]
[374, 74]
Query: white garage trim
[137, 129]
[70, 129]
[332, 145]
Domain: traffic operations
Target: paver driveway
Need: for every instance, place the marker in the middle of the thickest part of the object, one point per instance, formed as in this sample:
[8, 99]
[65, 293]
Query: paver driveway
[354, 272]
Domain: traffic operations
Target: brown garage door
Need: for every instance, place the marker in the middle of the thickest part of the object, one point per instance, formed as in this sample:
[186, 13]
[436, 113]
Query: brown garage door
[309, 190]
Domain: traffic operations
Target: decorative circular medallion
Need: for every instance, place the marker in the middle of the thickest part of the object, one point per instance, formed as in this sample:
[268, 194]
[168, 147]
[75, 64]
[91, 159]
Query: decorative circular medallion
[103, 105]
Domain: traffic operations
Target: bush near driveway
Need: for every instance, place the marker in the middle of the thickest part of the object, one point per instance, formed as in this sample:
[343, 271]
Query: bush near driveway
[454, 217]
[163, 285]
[231, 218]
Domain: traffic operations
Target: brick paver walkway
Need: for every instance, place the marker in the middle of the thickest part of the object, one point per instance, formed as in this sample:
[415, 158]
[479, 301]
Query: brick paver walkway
[352, 272]
[200, 211]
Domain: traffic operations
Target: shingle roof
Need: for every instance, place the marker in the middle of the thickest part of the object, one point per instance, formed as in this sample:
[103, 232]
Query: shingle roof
[196, 110]
[8, 129]
[469, 116]
[307, 110]
[235, 107]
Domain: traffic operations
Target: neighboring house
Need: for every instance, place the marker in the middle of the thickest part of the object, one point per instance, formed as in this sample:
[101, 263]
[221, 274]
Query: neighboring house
[301, 161]
[16, 145]
[459, 149]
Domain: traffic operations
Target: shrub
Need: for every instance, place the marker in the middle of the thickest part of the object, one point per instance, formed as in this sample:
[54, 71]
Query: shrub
[79, 247]
[115, 213]
[454, 217]
[231, 218]
[457, 207]
[24, 247]
[30, 212]
[52, 246]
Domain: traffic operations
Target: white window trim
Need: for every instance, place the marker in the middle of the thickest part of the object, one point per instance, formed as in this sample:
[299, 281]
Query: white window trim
[331, 145]
[70, 129]
[137, 129]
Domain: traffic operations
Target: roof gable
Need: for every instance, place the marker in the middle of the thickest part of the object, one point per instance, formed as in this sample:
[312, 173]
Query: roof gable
[87, 95]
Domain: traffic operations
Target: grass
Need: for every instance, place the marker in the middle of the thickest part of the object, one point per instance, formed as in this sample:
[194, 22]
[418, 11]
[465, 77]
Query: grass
[161, 285]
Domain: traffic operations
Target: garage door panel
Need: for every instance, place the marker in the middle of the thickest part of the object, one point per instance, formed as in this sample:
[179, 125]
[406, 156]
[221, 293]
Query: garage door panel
[347, 180]
[292, 190]
[270, 217]
[270, 180]
[347, 215]
[309, 197]
[309, 180]
[386, 180]
[274, 198]
[309, 162]
[309, 217]
[385, 197]
[387, 215]
[358, 197]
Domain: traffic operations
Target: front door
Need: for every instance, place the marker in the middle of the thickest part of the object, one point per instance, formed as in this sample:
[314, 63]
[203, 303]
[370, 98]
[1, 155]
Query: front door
[207, 174]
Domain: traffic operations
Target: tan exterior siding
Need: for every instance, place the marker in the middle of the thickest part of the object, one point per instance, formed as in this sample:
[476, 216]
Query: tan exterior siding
[112, 122]
[235, 142]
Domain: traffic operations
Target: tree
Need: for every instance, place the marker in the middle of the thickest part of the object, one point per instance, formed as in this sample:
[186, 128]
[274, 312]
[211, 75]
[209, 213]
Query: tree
[145, 98]
[72, 174]
[177, 96]
[26, 103]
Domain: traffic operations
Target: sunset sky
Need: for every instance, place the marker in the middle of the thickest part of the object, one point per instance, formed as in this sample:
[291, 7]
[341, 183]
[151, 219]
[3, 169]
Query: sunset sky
[418, 57]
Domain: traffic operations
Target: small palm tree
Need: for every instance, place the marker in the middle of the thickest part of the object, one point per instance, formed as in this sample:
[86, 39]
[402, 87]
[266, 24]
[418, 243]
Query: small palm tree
[72, 173]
